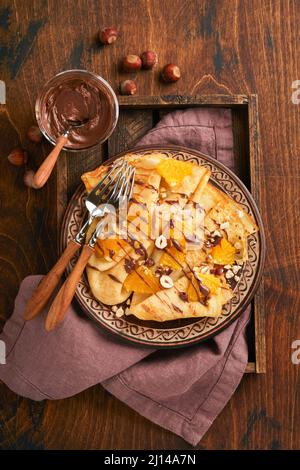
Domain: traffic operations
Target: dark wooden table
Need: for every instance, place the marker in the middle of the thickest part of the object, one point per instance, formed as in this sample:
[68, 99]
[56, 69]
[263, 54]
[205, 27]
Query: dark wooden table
[227, 47]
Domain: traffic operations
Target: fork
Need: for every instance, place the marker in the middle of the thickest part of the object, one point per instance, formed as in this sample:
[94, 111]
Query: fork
[43, 292]
[120, 191]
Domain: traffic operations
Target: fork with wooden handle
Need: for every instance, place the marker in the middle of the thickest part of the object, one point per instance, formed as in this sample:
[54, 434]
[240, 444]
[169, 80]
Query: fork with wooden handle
[43, 292]
[121, 191]
[66, 293]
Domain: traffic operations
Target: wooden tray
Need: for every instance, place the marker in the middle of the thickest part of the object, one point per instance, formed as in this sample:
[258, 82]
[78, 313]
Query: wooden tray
[137, 116]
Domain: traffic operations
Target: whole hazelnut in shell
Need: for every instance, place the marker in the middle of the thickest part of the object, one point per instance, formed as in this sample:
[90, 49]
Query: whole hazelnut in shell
[128, 87]
[108, 35]
[18, 156]
[132, 63]
[170, 73]
[149, 59]
[34, 134]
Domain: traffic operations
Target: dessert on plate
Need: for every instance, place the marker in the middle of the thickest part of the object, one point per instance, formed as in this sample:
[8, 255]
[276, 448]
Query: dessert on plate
[176, 250]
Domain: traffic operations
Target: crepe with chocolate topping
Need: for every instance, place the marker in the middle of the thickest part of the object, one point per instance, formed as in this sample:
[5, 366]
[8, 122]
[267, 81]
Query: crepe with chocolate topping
[176, 273]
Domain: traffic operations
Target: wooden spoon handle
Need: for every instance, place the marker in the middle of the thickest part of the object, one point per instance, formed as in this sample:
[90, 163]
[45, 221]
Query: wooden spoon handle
[43, 292]
[66, 293]
[45, 170]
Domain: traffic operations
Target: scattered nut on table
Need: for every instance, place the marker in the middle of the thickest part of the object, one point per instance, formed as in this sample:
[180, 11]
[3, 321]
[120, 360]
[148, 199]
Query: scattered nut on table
[170, 73]
[108, 35]
[128, 87]
[149, 59]
[132, 63]
[18, 156]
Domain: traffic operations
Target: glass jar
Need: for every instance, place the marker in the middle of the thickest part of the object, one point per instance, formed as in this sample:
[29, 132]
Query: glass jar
[77, 96]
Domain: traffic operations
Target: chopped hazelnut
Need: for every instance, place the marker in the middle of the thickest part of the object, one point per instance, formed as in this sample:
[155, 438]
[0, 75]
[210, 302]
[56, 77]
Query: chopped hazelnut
[119, 312]
[205, 269]
[236, 269]
[229, 274]
[216, 233]
[161, 242]
[166, 281]
[128, 87]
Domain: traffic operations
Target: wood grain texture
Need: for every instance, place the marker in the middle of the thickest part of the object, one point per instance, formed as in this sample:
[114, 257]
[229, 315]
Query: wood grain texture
[223, 47]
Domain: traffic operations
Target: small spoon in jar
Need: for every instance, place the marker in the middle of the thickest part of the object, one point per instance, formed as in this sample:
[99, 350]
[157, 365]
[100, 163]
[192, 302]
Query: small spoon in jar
[45, 170]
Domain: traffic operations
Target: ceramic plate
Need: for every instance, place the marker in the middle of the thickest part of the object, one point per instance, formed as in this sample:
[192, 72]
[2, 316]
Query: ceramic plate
[184, 332]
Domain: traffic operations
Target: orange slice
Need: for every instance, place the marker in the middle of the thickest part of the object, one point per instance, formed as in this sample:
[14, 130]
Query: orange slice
[172, 258]
[193, 292]
[223, 253]
[142, 281]
[173, 171]
[208, 280]
[108, 247]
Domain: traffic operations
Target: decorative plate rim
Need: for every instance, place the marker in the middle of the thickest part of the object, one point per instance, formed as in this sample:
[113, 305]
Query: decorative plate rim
[84, 297]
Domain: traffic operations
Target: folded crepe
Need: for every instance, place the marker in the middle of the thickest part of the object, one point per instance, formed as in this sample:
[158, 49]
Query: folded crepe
[167, 305]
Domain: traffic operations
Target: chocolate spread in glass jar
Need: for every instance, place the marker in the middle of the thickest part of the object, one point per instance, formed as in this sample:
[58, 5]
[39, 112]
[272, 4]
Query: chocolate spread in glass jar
[77, 100]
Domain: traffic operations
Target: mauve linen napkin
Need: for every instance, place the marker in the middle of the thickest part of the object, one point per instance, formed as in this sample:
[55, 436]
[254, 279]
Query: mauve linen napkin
[181, 390]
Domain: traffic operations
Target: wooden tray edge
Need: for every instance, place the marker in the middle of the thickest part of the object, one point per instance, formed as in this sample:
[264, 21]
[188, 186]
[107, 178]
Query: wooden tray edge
[255, 176]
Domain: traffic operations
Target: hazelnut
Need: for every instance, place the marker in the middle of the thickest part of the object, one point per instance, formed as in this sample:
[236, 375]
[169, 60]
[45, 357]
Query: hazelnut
[18, 156]
[161, 242]
[119, 312]
[217, 271]
[108, 35]
[229, 274]
[34, 134]
[166, 281]
[216, 233]
[236, 269]
[149, 59]
[128, 87]
[28, 179]
[149, 262]
[205, 269]
[170, 73]
[132, 63]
